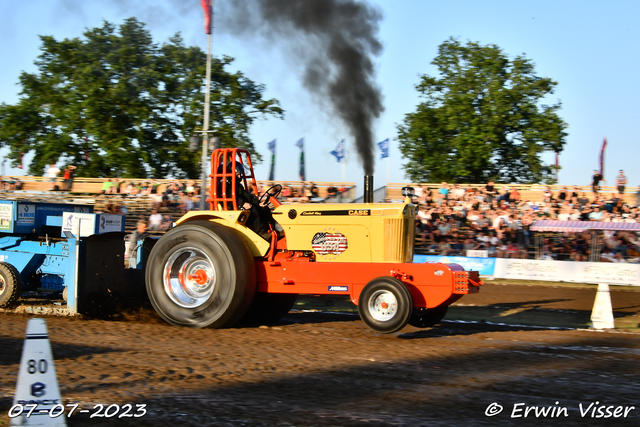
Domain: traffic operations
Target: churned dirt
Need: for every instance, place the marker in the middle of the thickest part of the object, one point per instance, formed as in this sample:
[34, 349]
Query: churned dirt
[328, 369]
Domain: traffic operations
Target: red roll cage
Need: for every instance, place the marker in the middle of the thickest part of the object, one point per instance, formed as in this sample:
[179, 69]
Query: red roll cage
[221, 177]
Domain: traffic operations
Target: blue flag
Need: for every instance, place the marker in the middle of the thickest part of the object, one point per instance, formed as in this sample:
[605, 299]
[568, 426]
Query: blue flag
[339, 151]
[384, 148]
[300, 144]
[272, 148]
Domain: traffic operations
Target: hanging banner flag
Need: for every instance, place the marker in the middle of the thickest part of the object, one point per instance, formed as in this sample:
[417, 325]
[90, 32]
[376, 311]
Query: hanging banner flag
[207, 6]
[339, 151]
[604, 145]
[300, 145]
[272, 148]
[384, 148]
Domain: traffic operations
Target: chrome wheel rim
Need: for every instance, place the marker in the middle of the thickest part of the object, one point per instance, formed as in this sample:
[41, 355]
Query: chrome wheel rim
[189, 277]
[383, 306]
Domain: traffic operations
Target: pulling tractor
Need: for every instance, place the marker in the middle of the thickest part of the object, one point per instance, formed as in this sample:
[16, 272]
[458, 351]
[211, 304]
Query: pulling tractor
[212, 270]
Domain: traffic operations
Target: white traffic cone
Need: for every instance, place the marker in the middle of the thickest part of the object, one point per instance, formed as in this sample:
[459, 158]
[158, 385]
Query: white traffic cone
[602, 314]
[37, 401]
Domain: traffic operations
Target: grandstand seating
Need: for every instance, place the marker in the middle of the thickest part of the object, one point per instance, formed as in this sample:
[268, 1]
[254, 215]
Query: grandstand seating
[88, 191]
[532, 192]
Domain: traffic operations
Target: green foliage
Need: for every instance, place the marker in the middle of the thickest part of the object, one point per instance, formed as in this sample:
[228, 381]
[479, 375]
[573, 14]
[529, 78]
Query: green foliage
[116, 104]
[481, 120]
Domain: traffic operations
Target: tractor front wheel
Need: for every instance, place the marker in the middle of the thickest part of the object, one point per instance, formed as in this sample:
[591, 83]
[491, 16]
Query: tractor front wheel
[427, 317]
[201, 274]
[10, 285]
[385, 305]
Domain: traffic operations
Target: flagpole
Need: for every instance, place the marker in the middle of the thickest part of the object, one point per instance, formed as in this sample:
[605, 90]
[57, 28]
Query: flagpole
[205, 136]
[303, 173]
[388, 171]
[388, 164]
[344, 162]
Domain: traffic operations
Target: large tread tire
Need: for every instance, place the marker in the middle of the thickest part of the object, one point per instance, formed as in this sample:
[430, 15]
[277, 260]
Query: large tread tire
[427, 317]
[10, 285]
[206, 252]
[385, 305]
[267, 309]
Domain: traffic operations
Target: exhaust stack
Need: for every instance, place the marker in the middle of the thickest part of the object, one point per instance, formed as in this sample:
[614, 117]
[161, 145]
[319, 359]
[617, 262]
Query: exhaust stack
[368, 188]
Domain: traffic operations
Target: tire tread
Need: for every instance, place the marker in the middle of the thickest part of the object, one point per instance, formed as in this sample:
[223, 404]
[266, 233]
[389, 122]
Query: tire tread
[13, 282]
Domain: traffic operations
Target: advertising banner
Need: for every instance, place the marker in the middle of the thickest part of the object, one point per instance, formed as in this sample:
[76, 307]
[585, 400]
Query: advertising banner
[91, 223]
[530, 269]
[483, 265]
[87, 222]
[478, 253]
[110, 222]
[6, 216]
[552, 271]
[26, 214]
[608, 272]
[568, 271]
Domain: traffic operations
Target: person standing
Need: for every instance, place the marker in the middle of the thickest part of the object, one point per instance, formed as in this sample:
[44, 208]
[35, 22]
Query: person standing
[52, 173]
[68, 177]
[621, 182]
[489, 191]
[314, 191]
[155, 220]
[597, 177]
[166, 222]
[106, 186]
[133, 239]
[115, 188]
[444, 191]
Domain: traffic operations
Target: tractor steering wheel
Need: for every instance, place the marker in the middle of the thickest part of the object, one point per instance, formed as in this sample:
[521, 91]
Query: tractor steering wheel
[267, 195]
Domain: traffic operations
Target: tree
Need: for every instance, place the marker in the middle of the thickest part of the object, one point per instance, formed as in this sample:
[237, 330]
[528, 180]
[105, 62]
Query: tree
[116, 104]
[481, 120]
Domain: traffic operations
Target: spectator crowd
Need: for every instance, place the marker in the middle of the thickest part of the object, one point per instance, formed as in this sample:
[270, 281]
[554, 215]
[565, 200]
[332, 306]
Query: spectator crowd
[453, 219]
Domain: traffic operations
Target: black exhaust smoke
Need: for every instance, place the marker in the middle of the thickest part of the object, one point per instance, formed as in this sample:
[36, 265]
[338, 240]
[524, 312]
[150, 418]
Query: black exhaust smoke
[368, 188]
[335, 41]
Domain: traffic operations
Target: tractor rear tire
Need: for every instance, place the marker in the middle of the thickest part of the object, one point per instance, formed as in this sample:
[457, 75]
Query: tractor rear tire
[267, 309]
[385, 305]
[427, 317]
[10, 285]
[201, 274]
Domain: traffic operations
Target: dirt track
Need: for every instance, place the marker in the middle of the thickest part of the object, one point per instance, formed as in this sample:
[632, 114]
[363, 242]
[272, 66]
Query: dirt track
[330, 370]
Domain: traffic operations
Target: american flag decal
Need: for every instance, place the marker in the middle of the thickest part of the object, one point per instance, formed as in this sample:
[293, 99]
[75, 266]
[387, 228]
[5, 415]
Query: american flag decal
[329, 243]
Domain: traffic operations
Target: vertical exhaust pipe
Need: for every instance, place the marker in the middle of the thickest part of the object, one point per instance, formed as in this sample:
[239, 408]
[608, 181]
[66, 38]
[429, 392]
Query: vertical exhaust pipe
[368, 188]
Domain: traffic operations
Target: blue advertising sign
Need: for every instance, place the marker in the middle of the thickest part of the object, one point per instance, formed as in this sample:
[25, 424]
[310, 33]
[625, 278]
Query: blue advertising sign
[485, 266]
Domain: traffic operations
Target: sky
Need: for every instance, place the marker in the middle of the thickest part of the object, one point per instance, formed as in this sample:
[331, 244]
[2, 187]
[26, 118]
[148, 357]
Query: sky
[588, 47]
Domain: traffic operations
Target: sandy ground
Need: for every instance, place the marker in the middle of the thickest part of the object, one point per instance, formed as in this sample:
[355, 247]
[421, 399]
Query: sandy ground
[327, 369]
